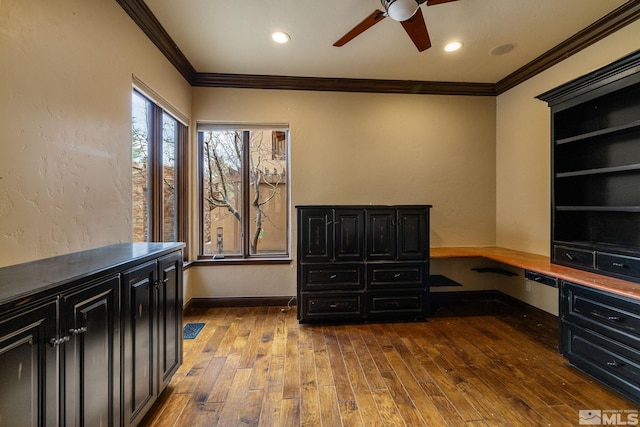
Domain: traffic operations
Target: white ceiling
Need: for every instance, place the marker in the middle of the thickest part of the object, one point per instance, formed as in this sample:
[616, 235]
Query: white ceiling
[233, 36]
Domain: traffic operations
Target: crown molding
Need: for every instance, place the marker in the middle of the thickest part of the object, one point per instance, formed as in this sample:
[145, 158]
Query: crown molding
[144, 18]
[607, 25]
[253, 81]
[140, 13]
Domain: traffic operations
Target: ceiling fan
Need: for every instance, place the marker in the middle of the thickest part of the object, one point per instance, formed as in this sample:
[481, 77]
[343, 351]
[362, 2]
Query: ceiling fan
[407, 12]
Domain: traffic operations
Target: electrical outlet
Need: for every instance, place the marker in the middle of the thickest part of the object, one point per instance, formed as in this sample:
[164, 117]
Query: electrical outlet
[528, 286]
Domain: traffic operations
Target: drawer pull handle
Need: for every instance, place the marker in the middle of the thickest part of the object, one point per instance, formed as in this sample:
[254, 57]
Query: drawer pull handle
[620, 265]
[333, 305]
[614, 364]
[609, 318]
[333, 276]
[395, 276]
[55, 342]
[569, 256]
[77, 331]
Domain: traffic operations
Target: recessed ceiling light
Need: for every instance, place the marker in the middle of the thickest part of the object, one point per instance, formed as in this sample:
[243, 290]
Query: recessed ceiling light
[280, 37]
[453, 46]
[502, 49]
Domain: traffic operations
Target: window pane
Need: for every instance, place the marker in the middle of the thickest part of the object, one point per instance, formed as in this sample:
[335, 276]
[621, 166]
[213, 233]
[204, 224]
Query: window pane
[268, 193]
[169, 207]
[222, 197]
[140, 125]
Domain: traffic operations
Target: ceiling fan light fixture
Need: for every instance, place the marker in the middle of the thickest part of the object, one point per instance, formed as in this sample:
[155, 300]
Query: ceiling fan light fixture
[400, 10]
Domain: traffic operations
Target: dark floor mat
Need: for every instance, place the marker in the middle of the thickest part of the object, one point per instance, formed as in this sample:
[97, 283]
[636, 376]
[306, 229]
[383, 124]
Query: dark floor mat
[191, 330]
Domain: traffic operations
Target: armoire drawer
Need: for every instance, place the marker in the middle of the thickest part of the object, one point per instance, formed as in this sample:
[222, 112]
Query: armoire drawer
[396, 276]
[396, 303]
[322, 277]
[573, 256]
[619, 264]
[611, 315]
[332, 305]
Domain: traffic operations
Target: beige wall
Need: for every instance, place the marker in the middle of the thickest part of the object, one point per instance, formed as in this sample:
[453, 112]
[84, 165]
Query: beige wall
[350, 148]
[65, 166]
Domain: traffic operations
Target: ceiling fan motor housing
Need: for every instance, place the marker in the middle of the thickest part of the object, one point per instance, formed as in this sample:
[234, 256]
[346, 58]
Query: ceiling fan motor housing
[400, 10]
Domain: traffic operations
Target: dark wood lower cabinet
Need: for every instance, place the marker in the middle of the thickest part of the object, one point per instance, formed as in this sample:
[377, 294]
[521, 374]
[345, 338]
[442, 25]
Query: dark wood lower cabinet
[600, 335]
[169, 317]
[152, 307]
[28, 373]
[92, 354]
[139, 339]
[92, 338]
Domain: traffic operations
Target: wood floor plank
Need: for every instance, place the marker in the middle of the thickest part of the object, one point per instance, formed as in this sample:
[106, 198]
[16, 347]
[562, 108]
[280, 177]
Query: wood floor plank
[387, 407]
[270, 410]
[171, 410]
[329, 410]
[220, 389]
[257, 366]
[290, 413]
[364, 399]
[407, 409]
[321, 358]
[242, 406]
[340, 374]
[373, 377]
[292, 367]
[416, 394]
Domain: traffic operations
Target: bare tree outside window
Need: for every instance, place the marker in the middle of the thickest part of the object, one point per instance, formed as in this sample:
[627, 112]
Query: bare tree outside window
[244, 189]
[155, 139]
[140, 122]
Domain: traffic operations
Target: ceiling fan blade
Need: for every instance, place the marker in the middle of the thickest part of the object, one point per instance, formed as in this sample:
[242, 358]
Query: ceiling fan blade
[435, 2]
[417, 30]
[367, 23]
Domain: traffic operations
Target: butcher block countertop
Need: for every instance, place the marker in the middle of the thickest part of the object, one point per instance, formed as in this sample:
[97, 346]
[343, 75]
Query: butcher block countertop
[542, 264]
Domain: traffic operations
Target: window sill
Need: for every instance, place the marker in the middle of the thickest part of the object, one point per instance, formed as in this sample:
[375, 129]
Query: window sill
[240, 261]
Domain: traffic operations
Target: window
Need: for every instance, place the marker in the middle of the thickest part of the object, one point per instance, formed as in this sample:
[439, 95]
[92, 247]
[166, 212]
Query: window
[158, 143]
[244, 192]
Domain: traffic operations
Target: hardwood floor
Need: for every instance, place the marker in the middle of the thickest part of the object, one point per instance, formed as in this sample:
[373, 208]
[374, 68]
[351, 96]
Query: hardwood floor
[480, 363]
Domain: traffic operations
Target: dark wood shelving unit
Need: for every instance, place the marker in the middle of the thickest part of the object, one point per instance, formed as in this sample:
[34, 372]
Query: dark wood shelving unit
[595, 218]
[595, 137]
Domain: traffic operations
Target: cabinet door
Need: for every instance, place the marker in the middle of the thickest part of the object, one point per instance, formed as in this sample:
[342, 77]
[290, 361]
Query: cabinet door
[91, 320]
[348, 234]
[28, 371]
[315, 231]
[413, 234]
[139, 341]
[381, 234]
[169, 317]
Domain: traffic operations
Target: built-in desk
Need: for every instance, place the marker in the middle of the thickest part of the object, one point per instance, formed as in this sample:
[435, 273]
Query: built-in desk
[542, 264]
[599, 316]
